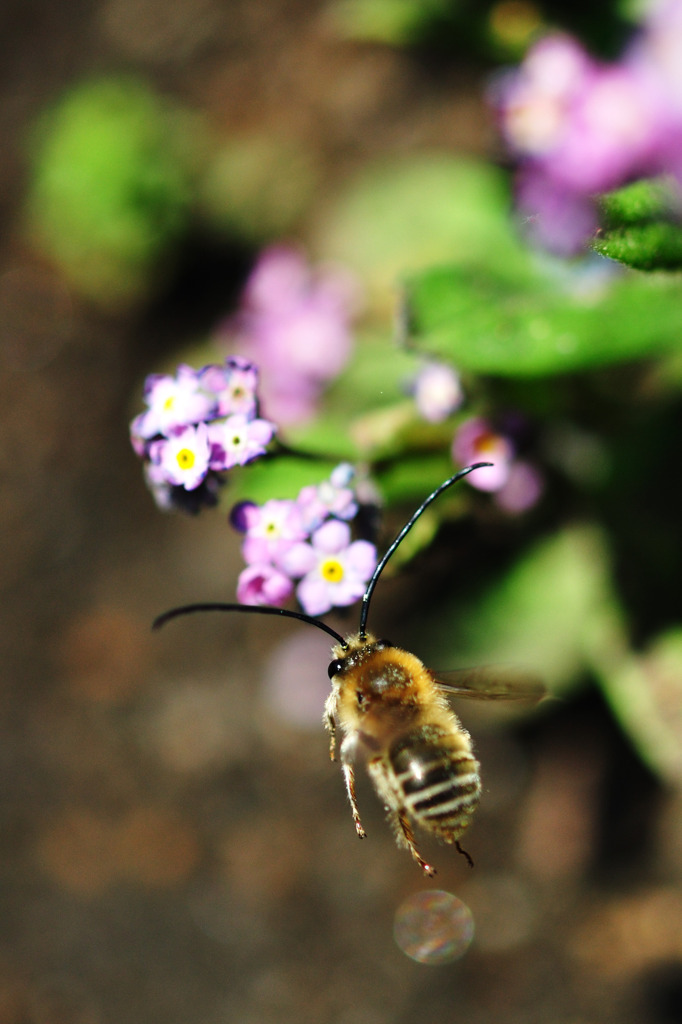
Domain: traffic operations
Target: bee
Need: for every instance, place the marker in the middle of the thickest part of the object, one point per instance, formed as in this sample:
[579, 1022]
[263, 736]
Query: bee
[388, 710]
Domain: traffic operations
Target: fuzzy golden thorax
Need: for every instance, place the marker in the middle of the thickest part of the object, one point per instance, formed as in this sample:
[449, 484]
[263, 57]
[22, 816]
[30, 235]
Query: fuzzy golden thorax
[381, 689]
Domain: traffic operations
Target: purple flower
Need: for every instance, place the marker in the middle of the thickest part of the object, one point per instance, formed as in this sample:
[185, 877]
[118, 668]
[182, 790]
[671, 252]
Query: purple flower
[137, 440]
[581, 127]
[158, 484]
[535, 100]
[613, 133]
[271, 529]
[184, 457]
[335, 570]
[554, 217]
[523, 488]
[332, 497]
[238, 440]
[477, 441]
[235, 386]
[173, 402]
[296, 324]
[262, 583]
[516, 483]
[198, 425]
[437, 391]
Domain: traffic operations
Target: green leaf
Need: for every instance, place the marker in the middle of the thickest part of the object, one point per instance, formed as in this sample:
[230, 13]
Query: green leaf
[488, 322]
[402, 215]
[645, 200]
[110, 189]
[280, 477]
[393, 22]
[549, 612]
[641, 227]
[655, 246]
[645, 693]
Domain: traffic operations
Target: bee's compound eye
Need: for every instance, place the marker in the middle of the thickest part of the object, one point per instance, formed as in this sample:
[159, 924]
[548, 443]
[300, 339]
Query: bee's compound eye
[334, 668]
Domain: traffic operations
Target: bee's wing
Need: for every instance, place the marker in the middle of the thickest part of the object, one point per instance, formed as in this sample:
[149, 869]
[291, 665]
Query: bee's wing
[492, 682]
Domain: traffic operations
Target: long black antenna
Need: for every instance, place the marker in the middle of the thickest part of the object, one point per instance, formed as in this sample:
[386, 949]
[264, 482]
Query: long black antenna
[364, 611]
[257, 609]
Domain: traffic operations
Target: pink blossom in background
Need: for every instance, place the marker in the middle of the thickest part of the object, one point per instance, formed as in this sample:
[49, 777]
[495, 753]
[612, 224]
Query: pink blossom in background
[477, 441]
[523, 488]
[657, 50]
[534, 100]
[614, 132]
[517, 484]
[437, 391]
[295, 322]
[553, 217]
[294, 688]
[581, 127]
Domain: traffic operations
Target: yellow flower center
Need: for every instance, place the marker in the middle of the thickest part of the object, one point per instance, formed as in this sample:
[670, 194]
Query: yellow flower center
[487, 444]
[332, 570]
[169, 403]
[185, 458]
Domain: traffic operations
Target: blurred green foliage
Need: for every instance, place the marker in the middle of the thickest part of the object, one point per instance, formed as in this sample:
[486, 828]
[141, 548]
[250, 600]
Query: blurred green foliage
[552, 611]
[399, 216]
[641, 226]
[494, 29]
[256, 187]
[397, 22]
[499, 323]
[111, 187]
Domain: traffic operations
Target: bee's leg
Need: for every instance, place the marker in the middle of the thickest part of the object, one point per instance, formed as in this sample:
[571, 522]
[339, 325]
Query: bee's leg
[330, 723]
[464, 854]
[409, 839]
[331, 729]
[349, 778]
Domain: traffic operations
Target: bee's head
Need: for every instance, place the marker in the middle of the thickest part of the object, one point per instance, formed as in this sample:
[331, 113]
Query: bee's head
[352, 653]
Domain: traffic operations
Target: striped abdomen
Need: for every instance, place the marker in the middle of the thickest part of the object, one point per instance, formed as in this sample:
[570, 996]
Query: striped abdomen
[437, 775]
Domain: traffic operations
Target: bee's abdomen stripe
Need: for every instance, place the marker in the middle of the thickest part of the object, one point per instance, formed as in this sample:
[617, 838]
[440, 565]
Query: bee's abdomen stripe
[427, 796]
[451, 810]
[417, 776]
[435, 799]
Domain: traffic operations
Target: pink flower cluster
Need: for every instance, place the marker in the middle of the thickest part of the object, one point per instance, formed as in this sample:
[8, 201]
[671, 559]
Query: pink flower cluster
[304, 546]
[295, 323]
[582, 127]
[516, 483]
[198, 424]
